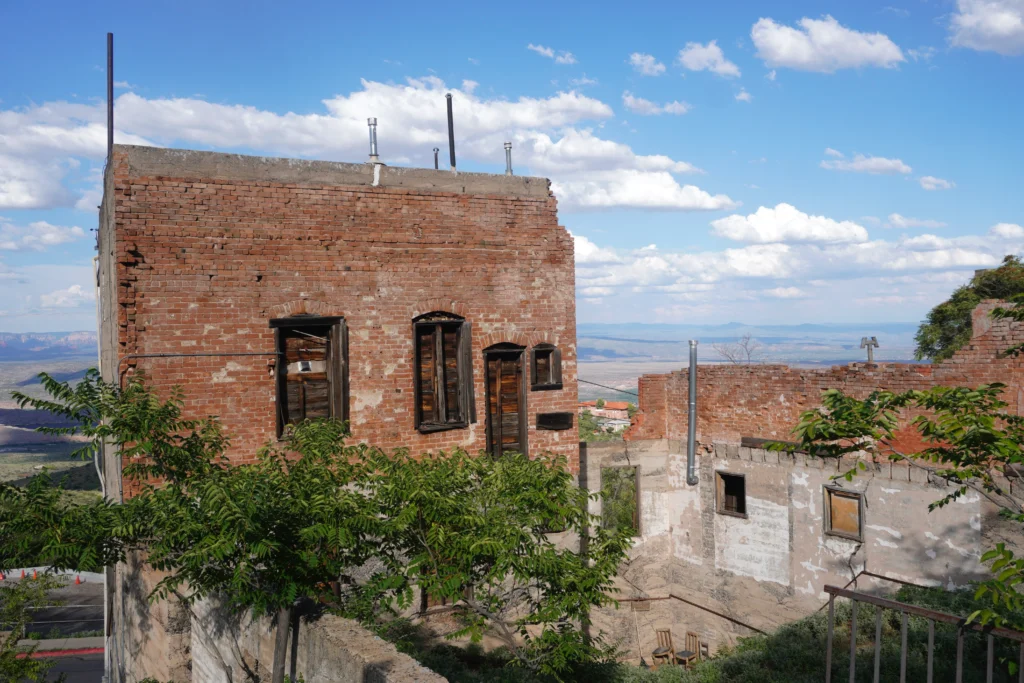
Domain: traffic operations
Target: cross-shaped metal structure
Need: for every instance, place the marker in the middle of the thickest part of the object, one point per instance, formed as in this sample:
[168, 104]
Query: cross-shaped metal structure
[869, 343]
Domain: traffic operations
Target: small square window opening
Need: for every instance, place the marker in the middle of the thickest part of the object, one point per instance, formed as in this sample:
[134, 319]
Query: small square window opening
[843, 513]
[731, 493]
[545, 367]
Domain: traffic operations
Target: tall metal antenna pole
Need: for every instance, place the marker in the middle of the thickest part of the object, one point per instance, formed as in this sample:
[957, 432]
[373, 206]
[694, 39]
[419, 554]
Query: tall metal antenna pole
[110, 95]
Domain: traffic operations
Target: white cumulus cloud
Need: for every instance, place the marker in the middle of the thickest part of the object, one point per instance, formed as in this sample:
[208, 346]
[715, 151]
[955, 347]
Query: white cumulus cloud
[898, 221]
[930, 182]
[989, 25]
[786, 223]
[646, 64]
[822, 45]
[786, 293]
[861, 163]
[698, 57]
[36, 236]
[1007, 231]
[561, 57]
[71, 297]
[744, 96]
[639, 105]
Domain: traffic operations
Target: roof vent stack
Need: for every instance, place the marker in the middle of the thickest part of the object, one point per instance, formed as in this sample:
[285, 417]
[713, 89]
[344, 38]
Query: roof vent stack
[372, 123]
[436, 150]
[508, 158]
[451, 131]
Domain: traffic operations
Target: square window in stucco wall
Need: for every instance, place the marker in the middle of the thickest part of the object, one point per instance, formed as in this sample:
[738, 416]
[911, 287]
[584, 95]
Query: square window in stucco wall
[844, 513]
[731, 494]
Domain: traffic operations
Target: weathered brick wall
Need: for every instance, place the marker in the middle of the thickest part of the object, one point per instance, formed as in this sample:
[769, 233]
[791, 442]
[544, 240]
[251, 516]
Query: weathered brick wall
[765, 401]
[207, 248]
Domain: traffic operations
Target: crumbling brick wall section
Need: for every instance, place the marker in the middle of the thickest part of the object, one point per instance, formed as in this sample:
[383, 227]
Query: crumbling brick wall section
[765, 401]
[207, 248]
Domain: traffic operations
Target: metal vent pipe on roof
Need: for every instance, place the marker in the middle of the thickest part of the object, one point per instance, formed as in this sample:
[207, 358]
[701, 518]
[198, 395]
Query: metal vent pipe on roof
[691, 419]
[508, 158]
[451, 131]
[372, 123]
[436, 150]
[110, 95]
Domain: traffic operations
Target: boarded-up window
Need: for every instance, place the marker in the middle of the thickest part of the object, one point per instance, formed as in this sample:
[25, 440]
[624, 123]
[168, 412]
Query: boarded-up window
[443, 372]
[545, 367]
[311, 369]
[731, 494]
[843, 513]
[620, 498]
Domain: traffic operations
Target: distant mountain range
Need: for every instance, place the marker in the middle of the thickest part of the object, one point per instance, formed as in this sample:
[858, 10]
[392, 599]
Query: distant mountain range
[795, 344]
[807, 343]
[30, 346]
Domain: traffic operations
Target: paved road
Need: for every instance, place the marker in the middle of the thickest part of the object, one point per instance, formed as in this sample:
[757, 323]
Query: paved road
[79, 668]
[82, 611]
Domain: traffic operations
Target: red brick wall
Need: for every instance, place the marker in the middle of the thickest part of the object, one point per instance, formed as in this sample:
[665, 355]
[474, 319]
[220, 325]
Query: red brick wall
[765, 401]
[201, 265]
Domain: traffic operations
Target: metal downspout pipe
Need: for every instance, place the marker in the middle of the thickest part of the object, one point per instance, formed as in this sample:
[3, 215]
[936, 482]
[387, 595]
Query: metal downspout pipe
[691, 419]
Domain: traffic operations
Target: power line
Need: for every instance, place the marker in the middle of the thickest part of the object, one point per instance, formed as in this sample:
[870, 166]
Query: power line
[621, 391]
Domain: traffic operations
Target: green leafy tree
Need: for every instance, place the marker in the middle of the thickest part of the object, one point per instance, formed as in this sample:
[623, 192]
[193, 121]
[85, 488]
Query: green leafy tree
[970, 441]
[618, 495]
[313, 511]
[948, 327]
[17, 600]
[475, 532]
[600, 403]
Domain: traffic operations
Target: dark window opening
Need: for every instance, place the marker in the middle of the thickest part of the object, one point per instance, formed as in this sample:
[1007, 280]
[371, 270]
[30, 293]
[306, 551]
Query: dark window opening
[545, 367]
[843, 513]
[311, 369]
[443, 372]
[731, 493]
[620, 498]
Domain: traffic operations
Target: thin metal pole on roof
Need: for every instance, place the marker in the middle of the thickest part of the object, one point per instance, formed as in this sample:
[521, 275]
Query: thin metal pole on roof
[110, 95]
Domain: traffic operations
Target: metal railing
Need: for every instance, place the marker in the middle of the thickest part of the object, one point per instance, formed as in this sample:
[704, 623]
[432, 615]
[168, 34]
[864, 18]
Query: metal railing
[906, 610]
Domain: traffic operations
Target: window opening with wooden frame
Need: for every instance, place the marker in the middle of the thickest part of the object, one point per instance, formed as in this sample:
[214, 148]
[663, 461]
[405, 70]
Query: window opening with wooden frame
[545, 367]
[506, 399]
[443, 367]
[844, 513]
[620, 498]
[731, 494]
[311, 370]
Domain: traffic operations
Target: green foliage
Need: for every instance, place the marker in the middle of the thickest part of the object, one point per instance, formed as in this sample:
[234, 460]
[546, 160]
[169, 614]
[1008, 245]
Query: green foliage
[971, 442]
[311, 511]
[631, 410]
[474, 531]
[600, 403]
[17, 600]
[619, 504]
[591, 431]
[948, 327]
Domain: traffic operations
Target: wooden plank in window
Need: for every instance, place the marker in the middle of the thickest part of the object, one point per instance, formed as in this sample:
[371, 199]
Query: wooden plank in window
[467, 400]
[450, 351]
[425, 353]
[844, 512]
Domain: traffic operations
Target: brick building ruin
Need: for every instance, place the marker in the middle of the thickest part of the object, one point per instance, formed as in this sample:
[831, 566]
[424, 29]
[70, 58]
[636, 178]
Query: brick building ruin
[430, 309]
[433, 310]
[753, 544]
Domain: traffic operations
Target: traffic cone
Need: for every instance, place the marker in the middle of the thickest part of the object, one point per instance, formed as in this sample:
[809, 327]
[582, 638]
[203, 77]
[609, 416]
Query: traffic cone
[1, 576]
[78, 580]
[34, 575]
[23, 573]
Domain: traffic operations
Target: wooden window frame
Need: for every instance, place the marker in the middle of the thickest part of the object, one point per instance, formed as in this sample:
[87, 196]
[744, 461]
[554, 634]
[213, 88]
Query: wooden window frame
[720, 493]
[553, 382]
[524, 427]
[337, 363]
[828, 491]
[463, 368]
[639, 531]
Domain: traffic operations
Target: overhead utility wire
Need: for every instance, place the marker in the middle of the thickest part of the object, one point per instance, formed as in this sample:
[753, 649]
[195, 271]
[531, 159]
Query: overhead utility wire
[621, 391]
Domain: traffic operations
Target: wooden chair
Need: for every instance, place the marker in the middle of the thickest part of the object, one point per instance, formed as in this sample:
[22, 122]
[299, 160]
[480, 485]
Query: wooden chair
[691, 653]
[665, 651]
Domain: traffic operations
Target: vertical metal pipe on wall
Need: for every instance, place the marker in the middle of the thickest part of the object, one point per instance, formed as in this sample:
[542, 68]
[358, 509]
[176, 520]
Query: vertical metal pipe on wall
[691, 420]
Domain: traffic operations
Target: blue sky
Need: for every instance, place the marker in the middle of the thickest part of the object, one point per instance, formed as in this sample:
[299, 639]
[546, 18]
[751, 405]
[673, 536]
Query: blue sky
[762, 162]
